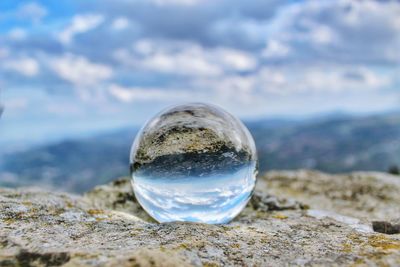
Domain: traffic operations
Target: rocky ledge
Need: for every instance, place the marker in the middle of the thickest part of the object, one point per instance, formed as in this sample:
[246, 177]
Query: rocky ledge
[317, 219]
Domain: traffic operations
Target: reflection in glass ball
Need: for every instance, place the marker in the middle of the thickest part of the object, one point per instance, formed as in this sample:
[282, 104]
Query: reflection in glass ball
[193, 162]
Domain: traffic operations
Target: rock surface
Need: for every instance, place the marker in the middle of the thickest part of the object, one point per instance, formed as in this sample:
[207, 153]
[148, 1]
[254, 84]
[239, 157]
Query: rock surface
[318, 219]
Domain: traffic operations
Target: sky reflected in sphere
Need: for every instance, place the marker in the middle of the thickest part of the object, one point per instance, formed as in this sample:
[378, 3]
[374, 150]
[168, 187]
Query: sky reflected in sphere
[194, 163]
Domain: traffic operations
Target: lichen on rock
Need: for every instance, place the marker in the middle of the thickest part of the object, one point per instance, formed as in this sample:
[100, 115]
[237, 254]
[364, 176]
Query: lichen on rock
[107, 227]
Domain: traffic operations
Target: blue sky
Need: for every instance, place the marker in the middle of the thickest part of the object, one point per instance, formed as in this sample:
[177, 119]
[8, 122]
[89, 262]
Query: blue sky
[73, 67]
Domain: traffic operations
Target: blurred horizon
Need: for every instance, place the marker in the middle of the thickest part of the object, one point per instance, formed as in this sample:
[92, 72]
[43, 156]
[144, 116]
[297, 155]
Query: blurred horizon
[76, 68]
[23, 142]
[337, 143]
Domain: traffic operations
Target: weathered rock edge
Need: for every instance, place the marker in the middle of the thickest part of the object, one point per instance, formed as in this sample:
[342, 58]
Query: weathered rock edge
[106, 226]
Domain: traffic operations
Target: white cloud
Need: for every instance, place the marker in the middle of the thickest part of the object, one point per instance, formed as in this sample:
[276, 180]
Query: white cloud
[144, 47]
[183, 58]
[31, 11]
[272, 80]
[120, 23]
[296, 81]
[79, 70]
[25, 66]
[360, 12]
[187, 62]
[175, 2]
[316, 32]
[339, 31]
[307, 48]
[131, 94]
[228, 89]
[322, 34]
[275, 49]
[235, 59]
[80, 24]
[17, 34]
[342, 80]
[320, 79]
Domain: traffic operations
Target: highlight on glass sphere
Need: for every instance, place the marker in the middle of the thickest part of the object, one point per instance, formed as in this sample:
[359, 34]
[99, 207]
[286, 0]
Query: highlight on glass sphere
[193, 162]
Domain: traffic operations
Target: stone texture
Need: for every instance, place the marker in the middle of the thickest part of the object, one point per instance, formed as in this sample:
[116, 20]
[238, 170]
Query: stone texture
[386, 227]
[365, 195]
[317, 219]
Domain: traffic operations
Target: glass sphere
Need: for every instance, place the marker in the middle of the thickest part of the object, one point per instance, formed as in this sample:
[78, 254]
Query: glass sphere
[193, 162]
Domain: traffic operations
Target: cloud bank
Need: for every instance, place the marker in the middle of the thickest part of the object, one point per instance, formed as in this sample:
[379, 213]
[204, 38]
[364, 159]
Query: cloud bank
[257, 58]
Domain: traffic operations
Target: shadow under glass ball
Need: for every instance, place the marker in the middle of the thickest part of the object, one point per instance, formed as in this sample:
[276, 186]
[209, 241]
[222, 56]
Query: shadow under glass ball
[193, 162]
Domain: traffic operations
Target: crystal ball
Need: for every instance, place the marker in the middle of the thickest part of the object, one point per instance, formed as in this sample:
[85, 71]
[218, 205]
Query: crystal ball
[193, 162]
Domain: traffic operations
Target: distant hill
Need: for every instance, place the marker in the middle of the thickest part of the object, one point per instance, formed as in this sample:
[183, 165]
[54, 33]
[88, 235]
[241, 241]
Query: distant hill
[334, 145]
[71, 165]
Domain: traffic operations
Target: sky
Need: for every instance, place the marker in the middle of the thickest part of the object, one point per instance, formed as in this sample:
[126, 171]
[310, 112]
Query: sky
[70, 68]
